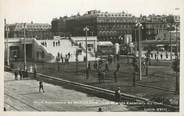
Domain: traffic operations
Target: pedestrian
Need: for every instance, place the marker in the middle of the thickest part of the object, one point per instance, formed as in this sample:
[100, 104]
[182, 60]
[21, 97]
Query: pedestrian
[21, 74]
[58, 55]
[118, 95]
[45, 43]
[118, 66]
[161, 56]
[115, 76]
[5, 109]
[155, 56]
[100, 109]
[151, 55]
[41, 86]
[69, 55]
[53, 43]
[106, 67]
[16, 74]
[144, 64]
[62, 59]
[58, 42]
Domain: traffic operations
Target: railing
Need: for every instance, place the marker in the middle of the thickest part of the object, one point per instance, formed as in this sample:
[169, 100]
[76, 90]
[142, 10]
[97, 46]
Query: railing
[109, 92]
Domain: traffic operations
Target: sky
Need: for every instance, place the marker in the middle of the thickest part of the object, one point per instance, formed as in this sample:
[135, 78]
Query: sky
[43, 11]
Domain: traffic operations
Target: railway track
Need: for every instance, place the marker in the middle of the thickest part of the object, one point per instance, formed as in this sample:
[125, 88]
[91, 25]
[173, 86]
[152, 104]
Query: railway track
[12, 107]
[23, 105]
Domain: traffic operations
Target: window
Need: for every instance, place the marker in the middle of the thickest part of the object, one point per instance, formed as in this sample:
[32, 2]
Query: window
[90, 45]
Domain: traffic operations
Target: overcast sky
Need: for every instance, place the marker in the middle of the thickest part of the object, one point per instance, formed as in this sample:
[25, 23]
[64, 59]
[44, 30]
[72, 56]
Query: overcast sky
[42, 11]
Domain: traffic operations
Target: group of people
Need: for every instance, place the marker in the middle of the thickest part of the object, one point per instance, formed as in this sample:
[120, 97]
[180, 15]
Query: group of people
[63, 59]
[44, 43]
[101, 73]
[56, 43]
[159, 55]
[20, 74]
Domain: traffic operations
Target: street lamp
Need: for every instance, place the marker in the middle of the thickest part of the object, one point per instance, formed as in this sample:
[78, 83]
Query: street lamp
[7, 47]
[25, 46]
[177, 60]
[86, 29]
[139, 25]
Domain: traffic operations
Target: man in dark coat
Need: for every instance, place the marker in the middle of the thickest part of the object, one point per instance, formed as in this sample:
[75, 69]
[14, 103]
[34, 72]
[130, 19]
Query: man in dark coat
[41, 86]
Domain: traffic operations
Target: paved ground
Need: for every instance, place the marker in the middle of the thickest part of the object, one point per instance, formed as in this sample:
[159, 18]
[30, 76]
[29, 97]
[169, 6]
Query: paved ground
[159, 72]
[23, 95]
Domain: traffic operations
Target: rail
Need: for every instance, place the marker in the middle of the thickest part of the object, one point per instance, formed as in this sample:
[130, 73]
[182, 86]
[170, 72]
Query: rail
[110, 92]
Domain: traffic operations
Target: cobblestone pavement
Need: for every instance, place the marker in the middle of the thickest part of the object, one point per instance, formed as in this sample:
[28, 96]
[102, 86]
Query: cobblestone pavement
[23, 95]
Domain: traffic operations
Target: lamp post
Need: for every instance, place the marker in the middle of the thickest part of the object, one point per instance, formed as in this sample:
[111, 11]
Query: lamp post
[177, 59]
[86, 29]
[139, 25]
[7, 47]
[177, 24]
[25, 63]
[135, 43]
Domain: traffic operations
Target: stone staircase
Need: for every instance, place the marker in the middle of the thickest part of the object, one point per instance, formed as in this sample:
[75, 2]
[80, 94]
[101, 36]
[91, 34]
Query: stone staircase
[66, 46]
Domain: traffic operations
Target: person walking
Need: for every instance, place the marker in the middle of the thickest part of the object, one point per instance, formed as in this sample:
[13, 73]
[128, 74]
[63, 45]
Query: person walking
[100, 109]
[166, 55]
[41, 86]
[16, 74]
[161, 56]
[58, 42]
[62, 60]
[21, 74]
[53, 43]
[118, 95]
[155, 56]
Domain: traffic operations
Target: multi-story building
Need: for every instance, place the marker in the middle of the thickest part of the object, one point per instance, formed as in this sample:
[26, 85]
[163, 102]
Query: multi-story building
[154, 25]
[37, 30]
[106, 26]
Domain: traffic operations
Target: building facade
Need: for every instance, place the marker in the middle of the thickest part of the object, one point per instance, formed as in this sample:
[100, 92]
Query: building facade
[156, 25]
[106, 26]
[32, 30]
